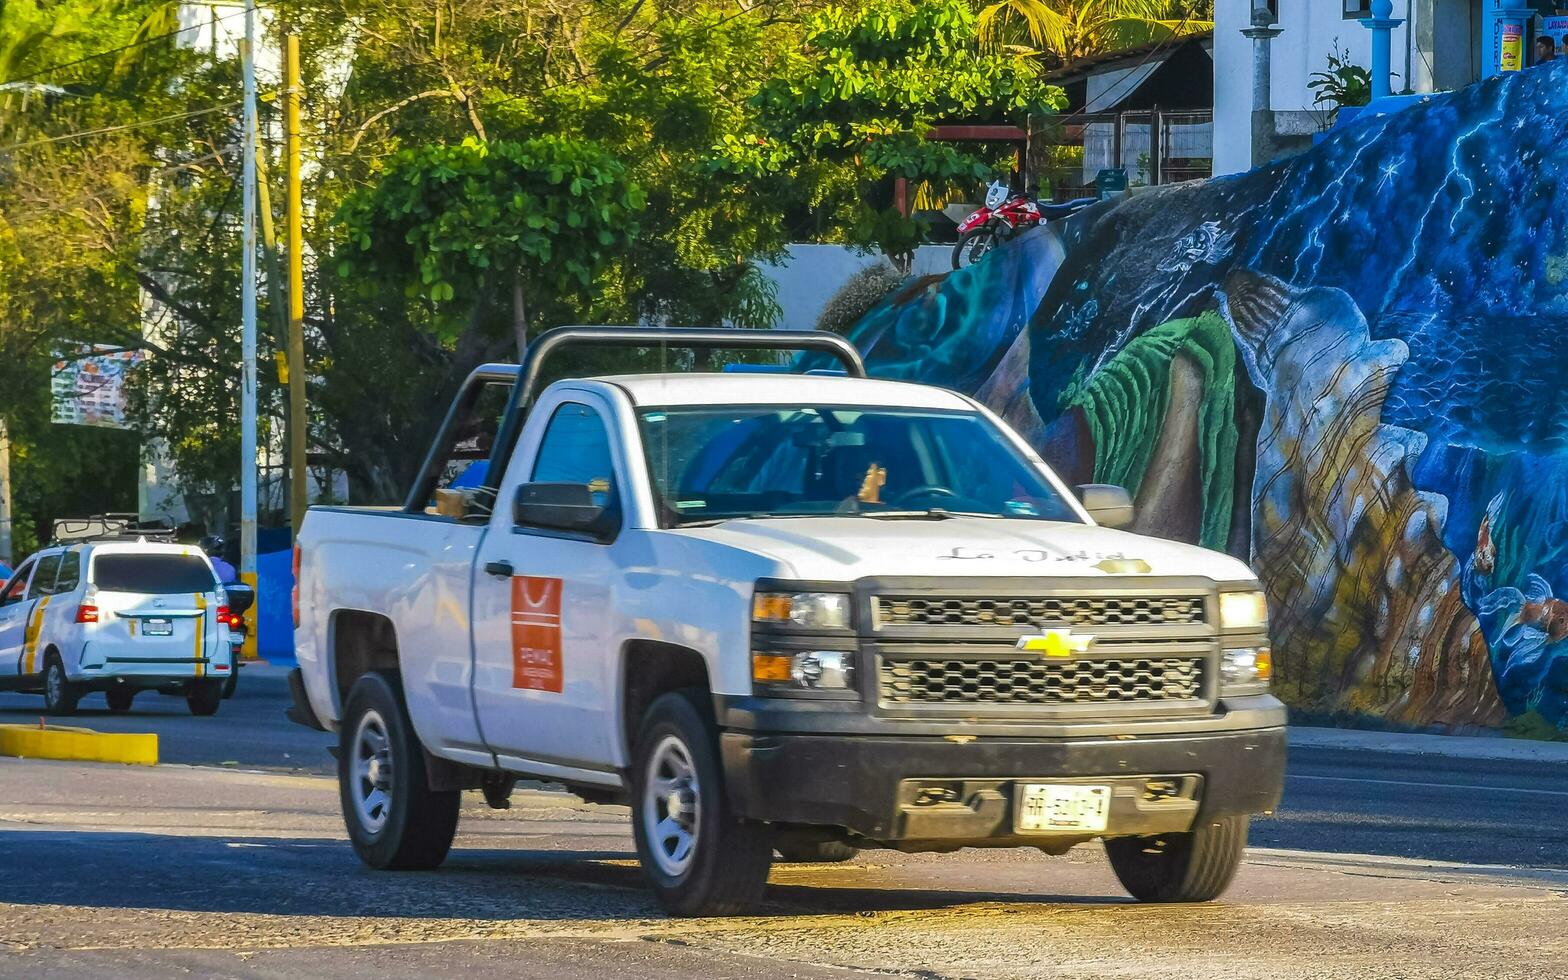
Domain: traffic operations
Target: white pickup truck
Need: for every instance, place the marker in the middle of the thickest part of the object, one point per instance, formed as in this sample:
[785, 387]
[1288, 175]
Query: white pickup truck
[794, 613]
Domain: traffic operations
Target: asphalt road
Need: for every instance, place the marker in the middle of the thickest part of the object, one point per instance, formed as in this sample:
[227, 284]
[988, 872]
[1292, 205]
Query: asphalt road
[1336, 800]
[248, 732]
[127, 873]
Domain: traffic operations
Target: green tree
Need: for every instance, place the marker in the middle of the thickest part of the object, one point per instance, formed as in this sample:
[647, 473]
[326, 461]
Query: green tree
[82, 139]
[855, 109]
[536, 222]
[1063, 31]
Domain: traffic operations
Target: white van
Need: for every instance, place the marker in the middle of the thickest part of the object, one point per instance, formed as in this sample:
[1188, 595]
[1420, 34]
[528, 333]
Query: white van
[117, 617]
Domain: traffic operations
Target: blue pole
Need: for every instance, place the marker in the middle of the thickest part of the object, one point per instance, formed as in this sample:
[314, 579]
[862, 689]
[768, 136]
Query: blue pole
[1381, 24]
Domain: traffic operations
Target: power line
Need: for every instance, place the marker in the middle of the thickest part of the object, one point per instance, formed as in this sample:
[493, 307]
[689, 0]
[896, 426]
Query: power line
[120, 128]
[122, 48]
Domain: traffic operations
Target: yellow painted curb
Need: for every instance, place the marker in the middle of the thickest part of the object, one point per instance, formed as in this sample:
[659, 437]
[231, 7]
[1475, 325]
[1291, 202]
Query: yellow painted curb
[78, 745]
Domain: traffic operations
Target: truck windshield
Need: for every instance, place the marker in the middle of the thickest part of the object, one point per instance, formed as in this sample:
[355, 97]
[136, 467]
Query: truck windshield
[712, 463]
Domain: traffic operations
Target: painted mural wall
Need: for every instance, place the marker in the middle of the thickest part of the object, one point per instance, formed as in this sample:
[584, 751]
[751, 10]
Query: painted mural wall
[1350, 367]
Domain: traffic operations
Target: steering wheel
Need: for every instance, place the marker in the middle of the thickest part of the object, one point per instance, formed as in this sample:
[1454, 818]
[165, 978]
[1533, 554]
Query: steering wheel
[924, 490]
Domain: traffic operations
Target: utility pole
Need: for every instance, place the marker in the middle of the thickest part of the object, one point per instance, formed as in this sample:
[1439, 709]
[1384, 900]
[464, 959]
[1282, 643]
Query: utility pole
[299, 424]
[248, 327]
[5, 494]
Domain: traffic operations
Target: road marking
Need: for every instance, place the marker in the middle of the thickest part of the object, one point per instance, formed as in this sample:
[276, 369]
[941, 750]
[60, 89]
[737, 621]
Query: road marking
[1418, 785]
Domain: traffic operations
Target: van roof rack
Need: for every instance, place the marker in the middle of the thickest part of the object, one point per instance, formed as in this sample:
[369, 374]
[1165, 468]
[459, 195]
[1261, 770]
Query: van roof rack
[110, 527]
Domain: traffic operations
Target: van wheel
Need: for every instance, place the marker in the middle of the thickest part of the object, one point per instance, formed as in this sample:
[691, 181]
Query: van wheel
[1193, 867]
[203, 697]
[700, 858]
[60, 695]
[232, 683]
[395, 820]
[817, 852]
[120, 698]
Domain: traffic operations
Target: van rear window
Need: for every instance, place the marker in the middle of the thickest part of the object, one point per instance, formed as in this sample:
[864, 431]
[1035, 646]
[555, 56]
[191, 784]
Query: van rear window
[152, 574]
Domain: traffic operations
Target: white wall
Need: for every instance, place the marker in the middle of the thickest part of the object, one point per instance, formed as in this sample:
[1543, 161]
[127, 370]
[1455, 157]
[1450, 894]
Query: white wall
[1309, 32]
[811, 274]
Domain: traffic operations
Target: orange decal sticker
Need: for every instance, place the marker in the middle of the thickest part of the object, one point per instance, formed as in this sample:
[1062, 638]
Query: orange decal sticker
[536, 633]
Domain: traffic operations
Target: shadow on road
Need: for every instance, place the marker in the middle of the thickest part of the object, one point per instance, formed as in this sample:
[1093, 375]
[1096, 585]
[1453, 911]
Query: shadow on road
[322, 877]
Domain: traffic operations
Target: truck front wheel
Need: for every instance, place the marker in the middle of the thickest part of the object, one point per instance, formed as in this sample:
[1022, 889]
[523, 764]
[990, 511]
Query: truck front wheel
[395, 820]
[1193, 867]
[700, 858]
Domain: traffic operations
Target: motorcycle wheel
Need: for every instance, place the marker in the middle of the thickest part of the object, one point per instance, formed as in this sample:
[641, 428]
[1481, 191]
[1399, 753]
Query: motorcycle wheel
[972, 246]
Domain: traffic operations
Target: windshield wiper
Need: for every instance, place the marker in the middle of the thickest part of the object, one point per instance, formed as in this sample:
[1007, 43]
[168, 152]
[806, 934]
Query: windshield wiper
[932, 514]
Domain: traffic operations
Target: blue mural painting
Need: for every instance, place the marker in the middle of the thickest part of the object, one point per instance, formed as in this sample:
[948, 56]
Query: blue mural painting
[1347, 366]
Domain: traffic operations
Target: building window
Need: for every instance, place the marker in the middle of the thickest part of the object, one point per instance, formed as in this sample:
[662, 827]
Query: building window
[1357, 9]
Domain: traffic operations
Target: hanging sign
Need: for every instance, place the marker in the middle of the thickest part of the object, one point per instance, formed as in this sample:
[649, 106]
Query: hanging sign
[87, 385]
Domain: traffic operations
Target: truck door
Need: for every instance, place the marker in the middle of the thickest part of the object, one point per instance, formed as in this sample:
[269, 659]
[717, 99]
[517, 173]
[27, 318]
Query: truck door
[14, 609]
[544, 625]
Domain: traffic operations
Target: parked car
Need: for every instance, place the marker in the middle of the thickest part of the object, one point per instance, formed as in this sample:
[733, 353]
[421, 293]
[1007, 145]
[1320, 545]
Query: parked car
[800, 614]
[118, 617]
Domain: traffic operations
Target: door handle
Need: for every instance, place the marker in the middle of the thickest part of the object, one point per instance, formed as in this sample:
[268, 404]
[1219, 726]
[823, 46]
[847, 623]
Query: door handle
[500, 569]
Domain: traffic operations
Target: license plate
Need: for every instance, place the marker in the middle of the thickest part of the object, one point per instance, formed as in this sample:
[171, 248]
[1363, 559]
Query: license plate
[1063, 807]
[157, 627]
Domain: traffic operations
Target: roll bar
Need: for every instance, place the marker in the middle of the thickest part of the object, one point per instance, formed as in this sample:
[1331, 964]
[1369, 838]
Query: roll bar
[525, 378]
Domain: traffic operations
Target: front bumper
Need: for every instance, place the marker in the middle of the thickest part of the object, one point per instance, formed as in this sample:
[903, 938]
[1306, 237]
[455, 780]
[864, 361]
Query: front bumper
[925, 792]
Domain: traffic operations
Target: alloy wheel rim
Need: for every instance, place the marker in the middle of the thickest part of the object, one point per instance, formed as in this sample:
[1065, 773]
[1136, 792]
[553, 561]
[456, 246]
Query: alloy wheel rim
[372, 771]
[672, 806]
[54, 683]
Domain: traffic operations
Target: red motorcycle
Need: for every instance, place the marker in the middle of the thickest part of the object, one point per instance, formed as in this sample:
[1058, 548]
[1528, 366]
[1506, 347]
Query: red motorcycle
[1004, 215]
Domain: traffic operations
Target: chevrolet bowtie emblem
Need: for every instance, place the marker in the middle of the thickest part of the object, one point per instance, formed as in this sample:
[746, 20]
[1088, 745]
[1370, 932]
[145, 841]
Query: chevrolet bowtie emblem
[1056, 644]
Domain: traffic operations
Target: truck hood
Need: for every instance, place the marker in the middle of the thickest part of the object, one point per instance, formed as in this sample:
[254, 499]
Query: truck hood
[842, 549]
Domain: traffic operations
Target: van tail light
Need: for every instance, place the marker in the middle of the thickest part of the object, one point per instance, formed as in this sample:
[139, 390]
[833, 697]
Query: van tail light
[230, 619]
[86, 613]
[294, 594]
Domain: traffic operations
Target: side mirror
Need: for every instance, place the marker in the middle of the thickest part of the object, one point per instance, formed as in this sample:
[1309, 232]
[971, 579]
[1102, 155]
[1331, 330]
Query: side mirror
[1110, 506]
[562, 507]
[241, 598]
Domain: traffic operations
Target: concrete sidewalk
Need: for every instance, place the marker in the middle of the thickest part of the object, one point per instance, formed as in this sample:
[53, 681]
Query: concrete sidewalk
[1494, 748]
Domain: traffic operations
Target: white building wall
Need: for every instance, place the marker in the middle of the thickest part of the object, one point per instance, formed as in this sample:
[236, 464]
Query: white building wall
[811, 274]
[1310, 30]
[1232, 87]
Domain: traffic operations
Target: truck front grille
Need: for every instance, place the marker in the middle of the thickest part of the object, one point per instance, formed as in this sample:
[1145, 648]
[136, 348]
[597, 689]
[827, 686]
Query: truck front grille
[1133, 680]
[1039, 611]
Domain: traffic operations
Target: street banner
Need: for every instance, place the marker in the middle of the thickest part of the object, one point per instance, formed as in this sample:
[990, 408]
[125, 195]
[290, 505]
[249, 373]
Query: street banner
[88, 385]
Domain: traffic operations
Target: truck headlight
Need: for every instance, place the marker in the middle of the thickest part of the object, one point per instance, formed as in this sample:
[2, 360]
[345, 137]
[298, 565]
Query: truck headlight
[804, 610]
[1243, 610]
[1246, 670]
[808, 670]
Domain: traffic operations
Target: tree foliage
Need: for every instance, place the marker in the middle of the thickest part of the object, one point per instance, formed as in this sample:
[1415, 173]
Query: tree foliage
[856, 108]
[1060, 32]
[543, 216]
[472, 170]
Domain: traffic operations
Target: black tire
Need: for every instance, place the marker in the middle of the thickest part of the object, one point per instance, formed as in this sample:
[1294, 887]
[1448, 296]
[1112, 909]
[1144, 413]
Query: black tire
[120, 698]
[60, 695]
[1193, 867]
[233, 682]
[817, 852]
[726, 862]
[973, 245]
[413, 827]
[203, 697]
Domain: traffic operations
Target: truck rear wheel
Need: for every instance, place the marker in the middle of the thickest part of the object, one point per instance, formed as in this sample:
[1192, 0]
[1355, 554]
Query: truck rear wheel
[1193, 867]
[699, 857]
[395, 820]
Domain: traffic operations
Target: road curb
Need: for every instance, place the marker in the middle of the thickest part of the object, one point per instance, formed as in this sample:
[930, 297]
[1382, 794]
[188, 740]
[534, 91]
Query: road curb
[1449, 746]
[78, 745]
